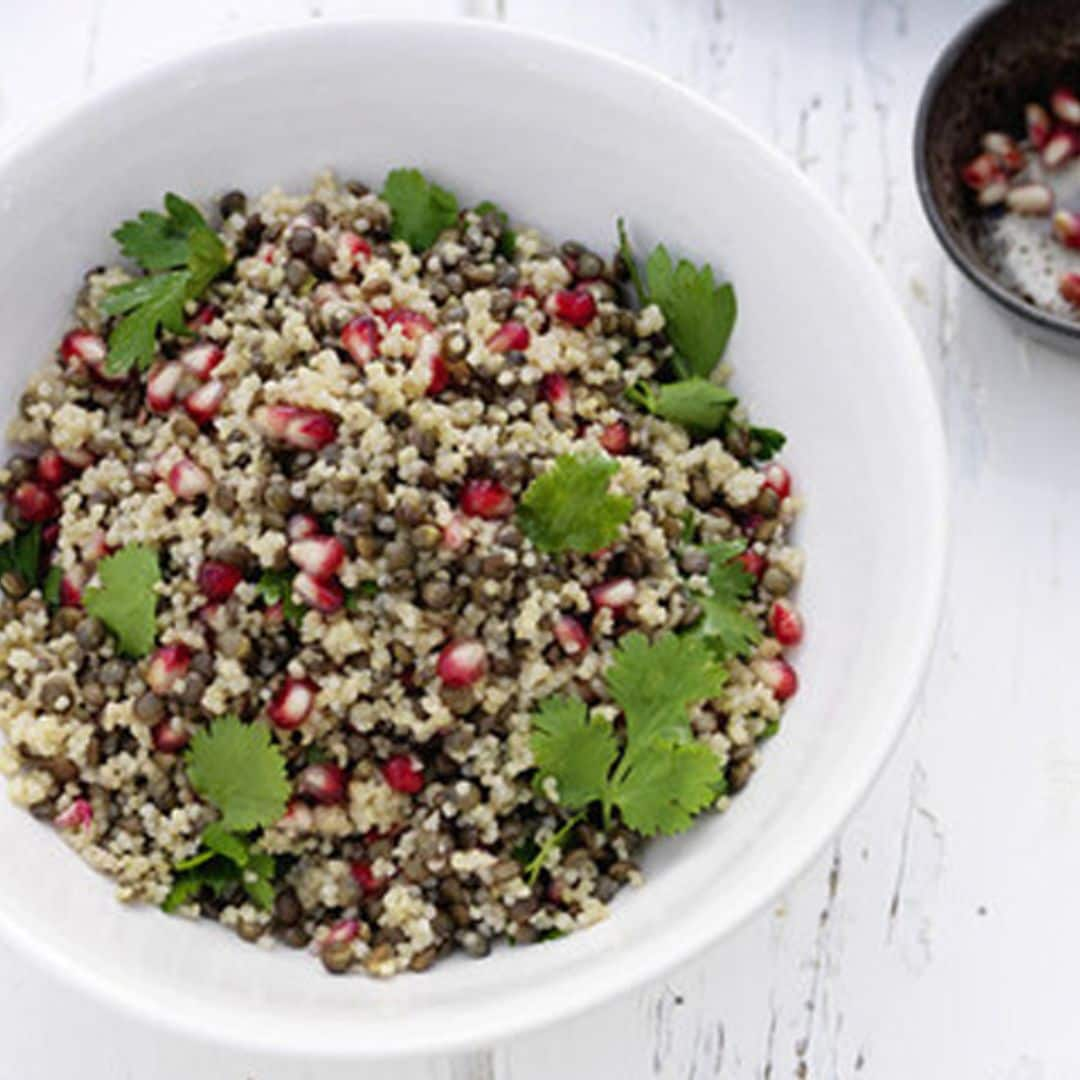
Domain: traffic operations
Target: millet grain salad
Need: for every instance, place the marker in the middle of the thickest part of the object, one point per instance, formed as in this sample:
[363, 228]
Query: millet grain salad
[375, 577]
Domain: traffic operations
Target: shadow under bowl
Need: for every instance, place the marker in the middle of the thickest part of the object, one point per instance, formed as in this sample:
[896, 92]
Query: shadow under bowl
[1013, 53]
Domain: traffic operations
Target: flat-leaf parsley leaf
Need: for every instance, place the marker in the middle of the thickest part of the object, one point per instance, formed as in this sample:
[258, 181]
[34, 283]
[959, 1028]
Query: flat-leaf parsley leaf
[700, 406]
[657, 776]
[699, 315]
[724, 626]
[569, 508]
[126, 600]
[22, 555]
[241, 771]
[182, 255]
[420, 209]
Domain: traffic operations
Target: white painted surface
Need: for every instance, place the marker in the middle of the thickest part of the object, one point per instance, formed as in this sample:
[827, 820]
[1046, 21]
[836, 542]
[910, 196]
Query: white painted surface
[935, 938]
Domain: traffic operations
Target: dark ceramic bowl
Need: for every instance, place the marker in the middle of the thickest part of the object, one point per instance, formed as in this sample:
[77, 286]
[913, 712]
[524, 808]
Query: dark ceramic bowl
[1010, 54]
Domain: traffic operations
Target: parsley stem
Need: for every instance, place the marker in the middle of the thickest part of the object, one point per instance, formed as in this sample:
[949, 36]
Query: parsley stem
[539, 860]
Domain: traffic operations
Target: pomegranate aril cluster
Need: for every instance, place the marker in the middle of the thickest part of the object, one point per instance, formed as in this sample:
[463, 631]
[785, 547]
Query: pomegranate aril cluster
[1008, 173]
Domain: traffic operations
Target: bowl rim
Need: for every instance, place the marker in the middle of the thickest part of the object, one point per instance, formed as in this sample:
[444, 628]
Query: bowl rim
[943, 67]
[567, 994]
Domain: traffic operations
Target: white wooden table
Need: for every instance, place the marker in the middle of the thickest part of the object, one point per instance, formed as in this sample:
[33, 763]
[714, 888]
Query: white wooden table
[937, 937]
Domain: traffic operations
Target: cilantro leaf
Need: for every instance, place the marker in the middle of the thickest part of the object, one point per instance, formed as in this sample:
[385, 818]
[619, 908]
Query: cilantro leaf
[569, 508]
[699, 315]
[420, 209]
[577, 750]
[241, 771]
[699, 405]
[723, 625]
[50, 586]
[157, 303]
[766, 442]
[667, 786]
[275, 587]
[224, 860]
[659, 776]
[507, 242]
[627, 254]
[654, 683]
[183, 255]
[126, 601]
[22, 555]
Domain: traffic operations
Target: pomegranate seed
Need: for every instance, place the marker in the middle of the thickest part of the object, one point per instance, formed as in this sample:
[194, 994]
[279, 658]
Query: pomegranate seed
[50, 534]
[361, 339]
[785, 623]
[364, 876]
[206, 314]
[344, 930]
[77, 816]
[1034, 199]
[97, 547]
[1059, 148]
[274, 614]
[51, 468]
[324, 596]
[203, 404]
[615, 438]
[71, 587]
[292, 704]
[1069, 287]
[523, 292]
[1038, 124]
[779, 676]
[555, 389]
[1066, 105]
[413, 324]
[753, 563]
[402, 775]
[510, 337]
[304, 429]
[82, 350]
[571, 635]
[1005, 149]
[297, 817]
[462, 663]
[78, 459]
[575, 306]
[217, 580]
[993, 194]
[358, 248]
[320, 556]
[616, 594]
[778, 479]
[981, 171]
[170, 736]
[201, 359]
[324, 782]
[455, 533]
[301, 526]
[167, 668]
[187, 481]
[481, 497]
[35, 503]
[1067, 228]
[161, 386]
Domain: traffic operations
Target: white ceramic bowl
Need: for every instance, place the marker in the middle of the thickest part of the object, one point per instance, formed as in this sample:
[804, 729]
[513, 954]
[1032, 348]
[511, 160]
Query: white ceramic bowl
[567, 139]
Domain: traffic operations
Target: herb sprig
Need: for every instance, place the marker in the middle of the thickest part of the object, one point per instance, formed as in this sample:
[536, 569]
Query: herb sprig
[182, 256]
[656, 775]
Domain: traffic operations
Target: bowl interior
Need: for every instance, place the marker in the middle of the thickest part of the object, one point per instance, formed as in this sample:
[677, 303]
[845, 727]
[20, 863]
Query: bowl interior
[1015, 53]
[567, 140]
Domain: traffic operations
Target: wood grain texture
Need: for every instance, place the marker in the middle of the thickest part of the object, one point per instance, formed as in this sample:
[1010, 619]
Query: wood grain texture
[934, 937]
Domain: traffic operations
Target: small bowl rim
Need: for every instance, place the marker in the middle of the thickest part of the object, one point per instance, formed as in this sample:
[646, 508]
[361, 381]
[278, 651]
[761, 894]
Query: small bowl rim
[987, 282]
